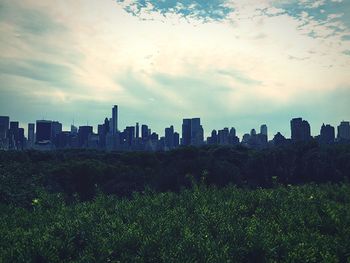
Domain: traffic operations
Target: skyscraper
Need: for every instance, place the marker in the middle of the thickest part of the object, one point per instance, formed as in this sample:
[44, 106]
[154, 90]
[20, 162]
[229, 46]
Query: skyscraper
[73, 130]
[344, 131]
[327, 134]
[186, 132]
[129, 133]
[43, 131]
[56, 129]
[300, 130]
[169, 138]
[114, 119]
[197, 133]
[14, 135]
[144, 132]
[263, 139]
[4, 126]
[31, 134]
[263, 129]
[83, 135]
[137, 130]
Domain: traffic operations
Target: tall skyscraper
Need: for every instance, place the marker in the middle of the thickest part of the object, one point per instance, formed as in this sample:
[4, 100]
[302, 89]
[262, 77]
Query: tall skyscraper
[327, 134]
[31, 135]
[263, 129]
[21, 142]
[56, 129]
[176, 139]
[223, 136]
[186, 132]
[43, 131]
[197, 133]
[169, 137]
[73, 130]
[144, 132]
[114, 119]
[263, 139]
[300, 130]
[4, 126]
[137, 130]
[83, 135]
[344, 131]
[129, 133]
[14, 135]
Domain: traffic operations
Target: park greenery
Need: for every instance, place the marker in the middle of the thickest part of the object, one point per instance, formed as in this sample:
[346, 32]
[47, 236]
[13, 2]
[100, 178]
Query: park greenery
[208, 204]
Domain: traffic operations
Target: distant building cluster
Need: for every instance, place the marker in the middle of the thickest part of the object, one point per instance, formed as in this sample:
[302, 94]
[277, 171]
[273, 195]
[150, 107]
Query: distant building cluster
[48, 135]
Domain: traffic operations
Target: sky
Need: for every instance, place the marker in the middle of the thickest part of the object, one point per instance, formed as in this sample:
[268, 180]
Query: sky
[232, 63]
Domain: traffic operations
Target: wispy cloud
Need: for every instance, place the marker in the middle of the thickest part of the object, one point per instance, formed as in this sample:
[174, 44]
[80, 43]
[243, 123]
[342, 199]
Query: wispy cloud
[229, 62]
[203, 10]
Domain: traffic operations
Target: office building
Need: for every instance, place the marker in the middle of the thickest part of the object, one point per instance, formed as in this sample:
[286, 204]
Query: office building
[31, 135]
[169, 138]
[83, 135]
[344, 131]
[43, 131]
[327, 134]
[114, 122]
[137, 130]
[144, 132]
[300, 130]
[73, 130]
[4, 127]
[186, 132]
[13, 135]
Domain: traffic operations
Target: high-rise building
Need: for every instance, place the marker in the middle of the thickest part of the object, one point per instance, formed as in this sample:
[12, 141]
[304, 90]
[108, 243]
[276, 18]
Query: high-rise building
[344, 131]
[263, 130]
[186, 132]
[83, 135]
[43, 131]
[176, 139]
[262, 136]
[144, 132]
[232, 138]
[327, 134]
[223, 136]
[31, 135]
[169, 138]
[14, 135]
[137, 130]
[197, 133]
[56, 128]
[129, 133]
[114, 119]
[21, 139]
[300, 130]
[213, 139]
[4, 127]
[73, 130]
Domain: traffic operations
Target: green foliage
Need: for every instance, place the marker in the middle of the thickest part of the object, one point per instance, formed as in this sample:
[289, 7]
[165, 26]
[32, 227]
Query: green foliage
[309, 223]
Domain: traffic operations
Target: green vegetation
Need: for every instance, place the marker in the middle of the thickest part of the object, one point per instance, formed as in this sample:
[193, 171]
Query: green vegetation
[85, 172]
[210, 204]
[309, 223]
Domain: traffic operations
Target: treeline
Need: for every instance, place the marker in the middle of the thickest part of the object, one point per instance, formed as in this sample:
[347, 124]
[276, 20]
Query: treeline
[82, 174]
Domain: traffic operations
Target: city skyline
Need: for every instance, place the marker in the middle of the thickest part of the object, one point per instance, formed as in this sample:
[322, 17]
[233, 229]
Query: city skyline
[232, 63]
[50, 135]
[314, 131]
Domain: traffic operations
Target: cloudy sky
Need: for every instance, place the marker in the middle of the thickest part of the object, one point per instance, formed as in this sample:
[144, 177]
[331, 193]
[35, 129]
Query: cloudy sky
[234, 63]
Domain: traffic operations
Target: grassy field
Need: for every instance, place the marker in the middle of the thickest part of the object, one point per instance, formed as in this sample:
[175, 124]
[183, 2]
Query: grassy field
[309, 223]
